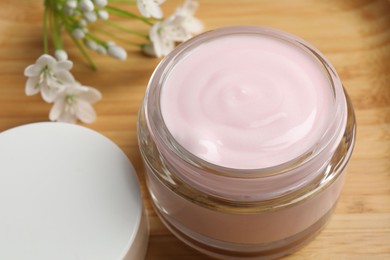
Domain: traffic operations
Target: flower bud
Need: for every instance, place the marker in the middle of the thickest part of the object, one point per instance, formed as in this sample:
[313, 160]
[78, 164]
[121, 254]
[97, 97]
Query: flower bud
[117, 52]
[110, 43]
[91, 45]
[78, 33]
[103, 14]
[86, 5]
[90, 17]
[82, 23]
[61, 55]
[100, 3]
[101, 50]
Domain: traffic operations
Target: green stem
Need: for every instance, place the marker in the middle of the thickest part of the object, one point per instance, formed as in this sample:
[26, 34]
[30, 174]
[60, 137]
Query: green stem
[113, 37]
[122, 2]
[83, 52]
[57, 31]
[120, 27]
[69, 20]
[68, 26]
[95, 38]
[124, 13]
[54, 32]
[45, 41]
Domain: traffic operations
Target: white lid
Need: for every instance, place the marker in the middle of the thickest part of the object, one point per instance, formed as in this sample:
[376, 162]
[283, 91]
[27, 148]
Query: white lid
[67, 192]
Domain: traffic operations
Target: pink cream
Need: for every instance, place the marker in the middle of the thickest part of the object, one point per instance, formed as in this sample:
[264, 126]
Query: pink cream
[247, 102]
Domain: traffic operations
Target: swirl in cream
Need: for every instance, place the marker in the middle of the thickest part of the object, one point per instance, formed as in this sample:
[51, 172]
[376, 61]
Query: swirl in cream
[247, 101]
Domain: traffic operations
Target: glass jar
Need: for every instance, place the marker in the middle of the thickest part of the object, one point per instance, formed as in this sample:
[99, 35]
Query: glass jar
[244, 213]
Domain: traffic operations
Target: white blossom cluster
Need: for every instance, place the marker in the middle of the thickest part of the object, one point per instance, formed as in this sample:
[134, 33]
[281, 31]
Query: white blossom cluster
[79, 18]
[86, 12]
[90, 10]
[178, 27]
[57, 85]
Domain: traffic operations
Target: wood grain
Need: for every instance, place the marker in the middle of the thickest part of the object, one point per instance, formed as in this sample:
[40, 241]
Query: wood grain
[353, 34]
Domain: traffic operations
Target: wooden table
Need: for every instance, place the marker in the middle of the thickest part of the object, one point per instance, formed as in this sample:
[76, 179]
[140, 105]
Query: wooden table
[354, 35]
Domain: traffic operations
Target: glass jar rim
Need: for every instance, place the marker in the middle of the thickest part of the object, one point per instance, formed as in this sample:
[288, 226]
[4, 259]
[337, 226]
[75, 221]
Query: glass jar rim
[163, 136]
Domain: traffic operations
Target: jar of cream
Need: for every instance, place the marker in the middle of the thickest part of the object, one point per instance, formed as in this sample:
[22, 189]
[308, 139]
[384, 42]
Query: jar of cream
[245, 133]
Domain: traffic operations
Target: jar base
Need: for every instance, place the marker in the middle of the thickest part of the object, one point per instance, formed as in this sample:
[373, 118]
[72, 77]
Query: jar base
[266, 251]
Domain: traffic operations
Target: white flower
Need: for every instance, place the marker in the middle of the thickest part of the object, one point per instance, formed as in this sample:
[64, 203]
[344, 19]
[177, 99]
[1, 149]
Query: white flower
[150, 8]
[61, 55]
[103, 14]
[75, 103]
[116, 51]
[86, 5]
[177, 28]
[47, 76]
[190, 23]
[78, 33]
[165, 34]
[100, 3]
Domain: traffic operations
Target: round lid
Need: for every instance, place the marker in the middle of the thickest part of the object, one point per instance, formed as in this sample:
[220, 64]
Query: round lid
[66, 192]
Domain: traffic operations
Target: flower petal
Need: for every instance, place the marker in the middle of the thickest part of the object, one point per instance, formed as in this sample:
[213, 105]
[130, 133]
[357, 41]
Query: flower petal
[155, 11]
[150, 8]
[46, 59]
[49, 94]
[174, 30]
[32, 70]
[64, 77]
[193, 25]
[67, 117]
[167, 47]
[142, 7]
[85, 112]
[91, 95]
[188, 8]
[57, 109]
[156, 38]
[31, 86]
[148, 49]
[63, 65]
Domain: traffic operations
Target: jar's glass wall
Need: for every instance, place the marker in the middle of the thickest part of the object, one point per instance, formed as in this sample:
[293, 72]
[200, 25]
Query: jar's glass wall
[223, 229]
[256, 215]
